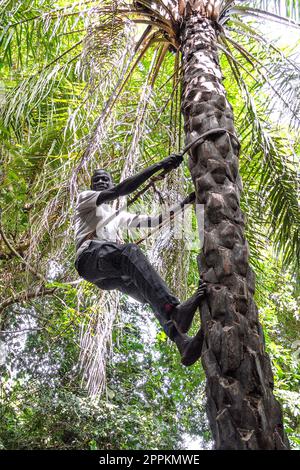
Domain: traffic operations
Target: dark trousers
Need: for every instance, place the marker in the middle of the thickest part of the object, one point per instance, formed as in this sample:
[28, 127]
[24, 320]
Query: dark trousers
[110, 265]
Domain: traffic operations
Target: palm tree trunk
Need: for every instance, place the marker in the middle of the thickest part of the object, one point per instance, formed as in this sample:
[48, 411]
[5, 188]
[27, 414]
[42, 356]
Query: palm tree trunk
[242, 410]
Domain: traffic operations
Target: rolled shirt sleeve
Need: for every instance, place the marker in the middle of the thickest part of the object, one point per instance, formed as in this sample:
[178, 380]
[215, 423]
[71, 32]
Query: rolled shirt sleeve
[130, 220]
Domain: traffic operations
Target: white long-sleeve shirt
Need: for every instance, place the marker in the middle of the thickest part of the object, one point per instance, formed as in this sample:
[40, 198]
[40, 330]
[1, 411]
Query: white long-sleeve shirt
[89, 218]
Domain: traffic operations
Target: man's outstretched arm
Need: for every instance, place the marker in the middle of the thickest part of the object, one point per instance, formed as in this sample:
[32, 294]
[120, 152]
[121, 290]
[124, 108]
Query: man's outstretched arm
[132, 183]
[155, 221]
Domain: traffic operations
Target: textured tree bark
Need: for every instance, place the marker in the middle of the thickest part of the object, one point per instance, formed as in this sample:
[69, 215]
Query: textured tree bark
[242, 410]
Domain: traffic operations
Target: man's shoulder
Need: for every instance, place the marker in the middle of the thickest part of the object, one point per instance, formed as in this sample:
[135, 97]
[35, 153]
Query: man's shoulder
[87, 199]
[87, 194]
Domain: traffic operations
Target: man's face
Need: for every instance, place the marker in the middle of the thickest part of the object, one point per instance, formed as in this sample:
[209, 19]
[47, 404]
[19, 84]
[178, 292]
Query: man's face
[101, 180]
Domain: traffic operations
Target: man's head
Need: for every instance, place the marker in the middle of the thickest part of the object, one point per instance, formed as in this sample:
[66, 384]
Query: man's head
[101, 180]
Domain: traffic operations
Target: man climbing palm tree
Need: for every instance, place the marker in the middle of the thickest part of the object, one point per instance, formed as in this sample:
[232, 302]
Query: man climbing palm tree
[108, 263]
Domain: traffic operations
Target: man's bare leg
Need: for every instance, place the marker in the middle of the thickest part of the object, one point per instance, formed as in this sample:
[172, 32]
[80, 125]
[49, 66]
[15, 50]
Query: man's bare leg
[190, 348]
[182, 315]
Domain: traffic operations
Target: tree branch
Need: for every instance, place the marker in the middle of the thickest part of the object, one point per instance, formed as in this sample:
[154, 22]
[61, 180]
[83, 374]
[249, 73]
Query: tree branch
[19, 249]
[26, 295]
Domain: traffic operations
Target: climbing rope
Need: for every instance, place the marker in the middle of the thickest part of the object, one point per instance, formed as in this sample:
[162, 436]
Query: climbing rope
[199, 141]
[188, 200]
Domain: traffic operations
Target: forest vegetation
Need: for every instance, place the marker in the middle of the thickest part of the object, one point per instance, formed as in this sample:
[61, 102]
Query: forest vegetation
[99, 84]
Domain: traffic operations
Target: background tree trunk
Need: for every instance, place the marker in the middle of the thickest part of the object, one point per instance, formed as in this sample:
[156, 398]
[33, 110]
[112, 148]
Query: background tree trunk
[242, 410]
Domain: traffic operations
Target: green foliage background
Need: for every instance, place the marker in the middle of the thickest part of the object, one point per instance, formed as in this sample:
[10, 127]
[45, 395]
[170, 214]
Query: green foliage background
[55, 83]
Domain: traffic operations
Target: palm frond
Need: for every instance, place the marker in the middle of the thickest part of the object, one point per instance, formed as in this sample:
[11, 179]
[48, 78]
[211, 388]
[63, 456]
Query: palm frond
[95, 83]
[243, 9]
[269, 170]
[267, 156]
[274, 70]
[288, 8]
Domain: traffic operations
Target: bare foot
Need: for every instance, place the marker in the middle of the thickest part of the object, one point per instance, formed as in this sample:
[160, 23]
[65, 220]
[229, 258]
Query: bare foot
[183, 314]
[190, 348]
